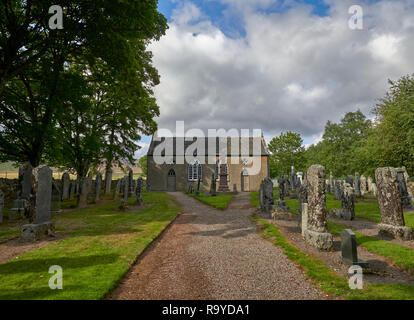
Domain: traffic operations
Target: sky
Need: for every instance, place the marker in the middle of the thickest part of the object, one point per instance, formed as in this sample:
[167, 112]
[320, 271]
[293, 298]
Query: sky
[277, 65]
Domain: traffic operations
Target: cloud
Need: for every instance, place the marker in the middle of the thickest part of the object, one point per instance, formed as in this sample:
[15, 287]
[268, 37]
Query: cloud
[293, 70]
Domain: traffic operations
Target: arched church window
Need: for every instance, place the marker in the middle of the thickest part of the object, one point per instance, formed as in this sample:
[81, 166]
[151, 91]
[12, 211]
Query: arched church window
[195, 170]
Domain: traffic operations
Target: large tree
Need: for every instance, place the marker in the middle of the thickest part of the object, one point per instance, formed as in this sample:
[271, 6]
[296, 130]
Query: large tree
[287, 150]
[35, 65]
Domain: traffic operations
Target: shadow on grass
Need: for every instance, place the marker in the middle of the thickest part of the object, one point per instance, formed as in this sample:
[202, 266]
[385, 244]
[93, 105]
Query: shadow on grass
[43, 293]
[43, 265]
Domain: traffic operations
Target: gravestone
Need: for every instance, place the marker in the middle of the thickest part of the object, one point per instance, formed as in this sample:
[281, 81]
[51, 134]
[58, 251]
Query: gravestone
[125, 192]
[293, 178]
[25, 180]
[369, 184]
[261, 197]
[223, 183]
[98, 186]
[1, 206]
[283, 189]
[406, 200]
[302, 199]
[337, 190]
[138, 191]
[347, 202]
[213, 185]
[363, 185]
[349, 251]
[131, 181]
[407, 182]
[357, 185]
[56, 199]
[65, 186]
[117, 189]
[85, 186]
[299, 177]
[40, 224]
[391, 209]
[328, 186]
[304, 219]
[350, 179]
[331, 180]
[317, 234]
[72, 189]
[108, 181]
[374, 189]
[268, 200]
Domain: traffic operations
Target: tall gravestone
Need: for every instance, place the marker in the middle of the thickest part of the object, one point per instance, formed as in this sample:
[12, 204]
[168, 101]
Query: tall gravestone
[406, 200]
[213, 186]
[117, 189]
[21, 204]
[331, 180]
[40, 224]
[138, 191]
[302, 199]
[369, 184]
[1, 206]
[56, 199]
[72, 189]
[85, 186]
[374, 189]
[317, 233]
[349, 253]
[389, 200]
[125, 192]
[65, 186]
[407, 182]
[347, 202]
[131, 181]
[293, 178]
[268, 200]
[357, 185]
[98, 186]
[108, 181]
[337, 190]
[223, 183]
[261, 197]
[363, 185]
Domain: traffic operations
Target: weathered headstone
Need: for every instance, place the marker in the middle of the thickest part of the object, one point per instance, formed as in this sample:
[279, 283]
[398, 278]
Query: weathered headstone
[357, 185]
[349, 254]
[65, 186]
[347, 202]
[406, 200]
[261, 197]
[72, 189]
[369, 184]
[138, 191]
[108, 181]
[350, 179]
[331, 180]
[117, 189]
[391, 209]
[363, 185]
[337, 190]
[374, 189]
[293, 178]
[85, 186]
[317, 234]
[98, 186]
[407, 182]
[21, 204]
[40, 224]
[223, 183]
[56, 199]
[302, 199]
[131, 181]
[304, 219]
[1, 206]
[267, 194]
[25, 179]
[125, 193]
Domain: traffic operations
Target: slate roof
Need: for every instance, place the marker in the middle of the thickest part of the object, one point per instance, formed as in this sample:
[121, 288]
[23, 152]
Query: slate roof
[205, 141]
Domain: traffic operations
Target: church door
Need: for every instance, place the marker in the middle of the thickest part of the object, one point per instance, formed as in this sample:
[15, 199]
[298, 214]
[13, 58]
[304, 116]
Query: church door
[171, 181]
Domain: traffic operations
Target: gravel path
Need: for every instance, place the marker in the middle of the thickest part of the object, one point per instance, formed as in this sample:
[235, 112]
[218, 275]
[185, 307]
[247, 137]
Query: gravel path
[212, 254]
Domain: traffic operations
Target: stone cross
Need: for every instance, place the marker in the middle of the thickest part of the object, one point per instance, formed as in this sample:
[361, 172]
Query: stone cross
[65, 186]
[349, 249]
[391, 209]
[42, 196]
[317, 232]
[138, 191]
[98, 186]
[108, 181]
[1, 206]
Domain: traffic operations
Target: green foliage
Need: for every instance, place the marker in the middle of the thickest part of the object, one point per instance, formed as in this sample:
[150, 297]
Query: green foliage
[143, 164]
[100, 245]
[287, 150]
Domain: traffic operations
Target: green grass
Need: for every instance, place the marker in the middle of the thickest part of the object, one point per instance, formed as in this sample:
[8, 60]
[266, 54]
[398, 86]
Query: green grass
[101, 244]
[220, 201]
[326, 279]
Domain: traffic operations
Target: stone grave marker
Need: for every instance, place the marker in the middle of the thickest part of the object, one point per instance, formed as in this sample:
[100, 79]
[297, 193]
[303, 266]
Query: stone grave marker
[317, 233]
[55, 206]
[98, 186]
[357, 185]
[391, 209]
[349, 251]
[40, 224]
[108, 181]
[213, 186]
[406, 200]
[65, 186]
[117, 189]
[138, 191]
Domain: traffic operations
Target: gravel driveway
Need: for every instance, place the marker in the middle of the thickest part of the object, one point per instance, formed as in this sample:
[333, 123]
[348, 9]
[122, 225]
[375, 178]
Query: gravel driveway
[212, 254]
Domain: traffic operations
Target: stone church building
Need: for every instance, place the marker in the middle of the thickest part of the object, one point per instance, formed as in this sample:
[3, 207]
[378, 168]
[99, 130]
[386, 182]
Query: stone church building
[173, 176]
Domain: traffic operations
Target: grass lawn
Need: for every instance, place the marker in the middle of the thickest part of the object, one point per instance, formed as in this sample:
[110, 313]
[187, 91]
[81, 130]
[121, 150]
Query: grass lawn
[220, 201]
[101, 244]
[326, 279]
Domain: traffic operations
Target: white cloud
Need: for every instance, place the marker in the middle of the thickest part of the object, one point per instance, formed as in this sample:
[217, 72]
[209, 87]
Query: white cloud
[291, 71]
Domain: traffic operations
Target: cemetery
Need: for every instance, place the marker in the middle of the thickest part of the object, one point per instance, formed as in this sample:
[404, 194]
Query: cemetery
[293, 181]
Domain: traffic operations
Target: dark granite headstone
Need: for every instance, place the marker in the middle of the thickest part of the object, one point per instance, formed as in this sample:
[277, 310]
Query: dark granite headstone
[349, 249]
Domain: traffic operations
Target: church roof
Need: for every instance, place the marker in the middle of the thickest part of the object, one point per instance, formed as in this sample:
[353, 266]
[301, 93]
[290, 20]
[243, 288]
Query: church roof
[215, 145]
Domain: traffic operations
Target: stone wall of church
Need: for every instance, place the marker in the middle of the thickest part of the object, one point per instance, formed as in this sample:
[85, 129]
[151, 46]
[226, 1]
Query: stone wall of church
[157, 175]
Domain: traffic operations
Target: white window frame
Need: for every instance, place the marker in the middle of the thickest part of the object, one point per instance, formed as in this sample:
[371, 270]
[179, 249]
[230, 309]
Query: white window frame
[194, 170]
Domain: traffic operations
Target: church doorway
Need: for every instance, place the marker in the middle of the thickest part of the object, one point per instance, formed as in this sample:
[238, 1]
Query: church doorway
[171, 181]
